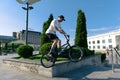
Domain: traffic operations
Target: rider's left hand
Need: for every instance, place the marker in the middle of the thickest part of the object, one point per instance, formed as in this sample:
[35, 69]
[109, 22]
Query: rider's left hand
[67, 35]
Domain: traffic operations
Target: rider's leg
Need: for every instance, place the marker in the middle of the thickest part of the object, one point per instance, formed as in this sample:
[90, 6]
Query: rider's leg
[55, 41]
[59, 45]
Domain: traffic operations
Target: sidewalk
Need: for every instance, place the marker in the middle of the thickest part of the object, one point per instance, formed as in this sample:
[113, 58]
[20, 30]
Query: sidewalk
[93, 73]
[90, 72]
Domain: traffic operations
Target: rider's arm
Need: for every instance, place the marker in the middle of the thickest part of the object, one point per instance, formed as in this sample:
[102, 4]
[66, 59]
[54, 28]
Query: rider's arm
[55, 27]
[61, 30]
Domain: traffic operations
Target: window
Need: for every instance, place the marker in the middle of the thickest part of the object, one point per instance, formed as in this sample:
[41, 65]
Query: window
[89, 42]
[104, 47]
[109, 40]
[110, 46]
[89, 47]
[98, 41]
[98, 47]
[93, 47]
[103, 41]
[93, 42]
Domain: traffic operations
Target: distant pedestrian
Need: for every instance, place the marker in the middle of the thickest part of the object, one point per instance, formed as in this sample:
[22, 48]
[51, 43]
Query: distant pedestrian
[107, 52]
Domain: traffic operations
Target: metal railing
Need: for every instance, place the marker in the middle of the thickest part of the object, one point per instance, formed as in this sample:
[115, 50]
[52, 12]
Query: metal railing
[117, 52]
[113, 57]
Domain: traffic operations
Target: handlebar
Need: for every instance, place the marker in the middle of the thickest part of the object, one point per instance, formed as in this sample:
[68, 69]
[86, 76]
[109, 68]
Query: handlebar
[67, 37]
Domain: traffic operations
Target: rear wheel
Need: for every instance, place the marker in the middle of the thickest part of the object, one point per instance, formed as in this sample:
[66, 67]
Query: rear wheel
[75, 53]
[47, 61]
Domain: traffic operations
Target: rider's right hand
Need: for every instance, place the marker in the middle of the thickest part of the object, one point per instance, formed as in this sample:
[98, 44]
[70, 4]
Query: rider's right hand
[68, 35]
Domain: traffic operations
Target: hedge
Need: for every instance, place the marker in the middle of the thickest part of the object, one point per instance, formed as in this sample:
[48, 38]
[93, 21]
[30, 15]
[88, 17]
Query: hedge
[25, 51]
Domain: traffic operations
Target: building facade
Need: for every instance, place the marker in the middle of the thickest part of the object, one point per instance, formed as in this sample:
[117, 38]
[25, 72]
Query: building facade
[34, 37]
[104, 41]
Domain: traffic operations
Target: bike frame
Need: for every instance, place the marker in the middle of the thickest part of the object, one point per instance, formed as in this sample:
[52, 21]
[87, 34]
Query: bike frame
[66, 45]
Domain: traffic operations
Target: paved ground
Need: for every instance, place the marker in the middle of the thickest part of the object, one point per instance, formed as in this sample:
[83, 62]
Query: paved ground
[84, 73]
[7, 73]
[93, 73]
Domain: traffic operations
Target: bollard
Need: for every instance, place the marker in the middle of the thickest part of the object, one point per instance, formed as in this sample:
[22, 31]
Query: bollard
[112, 61]
[0, 49]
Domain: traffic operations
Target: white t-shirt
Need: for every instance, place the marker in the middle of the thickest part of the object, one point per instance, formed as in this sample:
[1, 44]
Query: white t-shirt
[51, 29]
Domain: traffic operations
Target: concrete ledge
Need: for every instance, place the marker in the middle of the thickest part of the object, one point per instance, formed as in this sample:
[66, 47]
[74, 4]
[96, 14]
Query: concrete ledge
[56, 70]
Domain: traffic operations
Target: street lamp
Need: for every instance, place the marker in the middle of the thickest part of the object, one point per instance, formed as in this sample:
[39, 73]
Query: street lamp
[27, 8]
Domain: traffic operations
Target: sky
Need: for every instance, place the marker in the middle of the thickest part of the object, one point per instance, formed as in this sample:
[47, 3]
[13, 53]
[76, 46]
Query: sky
[101, 15]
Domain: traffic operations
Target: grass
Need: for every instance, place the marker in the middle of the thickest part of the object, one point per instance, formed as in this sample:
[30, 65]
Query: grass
[38, 56]
[34, 58]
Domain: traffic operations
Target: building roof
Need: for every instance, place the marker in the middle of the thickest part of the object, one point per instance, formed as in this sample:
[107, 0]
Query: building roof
[4, 38]
[23, 31]
[115, 32]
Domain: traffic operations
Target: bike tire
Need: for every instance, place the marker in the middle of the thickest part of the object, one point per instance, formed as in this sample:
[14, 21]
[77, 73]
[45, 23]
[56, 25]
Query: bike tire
[75, 53]
[45, 62]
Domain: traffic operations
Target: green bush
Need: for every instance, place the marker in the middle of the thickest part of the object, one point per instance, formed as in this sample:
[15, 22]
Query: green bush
[88, 52]
[103, 56]
[45, 47]
[25, 51]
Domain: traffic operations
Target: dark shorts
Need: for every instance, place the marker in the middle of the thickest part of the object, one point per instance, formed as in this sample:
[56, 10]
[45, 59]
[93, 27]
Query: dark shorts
[52, 36]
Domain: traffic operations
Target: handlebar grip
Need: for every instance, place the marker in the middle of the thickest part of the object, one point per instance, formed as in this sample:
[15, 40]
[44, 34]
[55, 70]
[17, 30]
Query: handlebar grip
[67, 37]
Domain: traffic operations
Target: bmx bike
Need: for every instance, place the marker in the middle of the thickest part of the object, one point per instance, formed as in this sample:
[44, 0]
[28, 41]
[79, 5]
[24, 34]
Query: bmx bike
[75, 54]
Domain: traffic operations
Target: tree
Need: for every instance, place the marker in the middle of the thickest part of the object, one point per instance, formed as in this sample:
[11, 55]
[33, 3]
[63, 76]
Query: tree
[81, 32]
[44, 38]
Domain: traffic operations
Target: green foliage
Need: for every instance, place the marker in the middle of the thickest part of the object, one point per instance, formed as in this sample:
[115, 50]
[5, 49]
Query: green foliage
[25, 51]
[13, 49]
[45, 47]
[81, 32]
[16, 45]
[6, 46]
[65, 53]
[88, 52]
[103, 56]
[34, 58]
[44, 38]
[10, 47]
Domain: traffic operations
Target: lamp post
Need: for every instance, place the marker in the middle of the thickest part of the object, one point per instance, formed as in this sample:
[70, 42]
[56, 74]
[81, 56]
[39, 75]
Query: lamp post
[27, 8]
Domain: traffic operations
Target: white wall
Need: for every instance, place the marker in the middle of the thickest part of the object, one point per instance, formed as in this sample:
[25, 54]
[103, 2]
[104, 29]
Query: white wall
[111, 39]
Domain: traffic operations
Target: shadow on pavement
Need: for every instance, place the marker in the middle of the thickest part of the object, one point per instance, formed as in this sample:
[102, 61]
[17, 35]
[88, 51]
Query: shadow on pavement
[99, 79]
[82, 72]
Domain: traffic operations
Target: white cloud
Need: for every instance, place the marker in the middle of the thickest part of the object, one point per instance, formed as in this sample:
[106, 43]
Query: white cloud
[99, 29]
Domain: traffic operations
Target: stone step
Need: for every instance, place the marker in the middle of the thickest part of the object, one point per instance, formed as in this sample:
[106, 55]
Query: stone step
[58, 69]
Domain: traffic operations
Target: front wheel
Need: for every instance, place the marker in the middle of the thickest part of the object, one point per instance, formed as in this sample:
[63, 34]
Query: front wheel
[75, 53]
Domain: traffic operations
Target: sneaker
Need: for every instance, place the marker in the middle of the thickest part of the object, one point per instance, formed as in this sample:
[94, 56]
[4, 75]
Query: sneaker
[49, 55]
